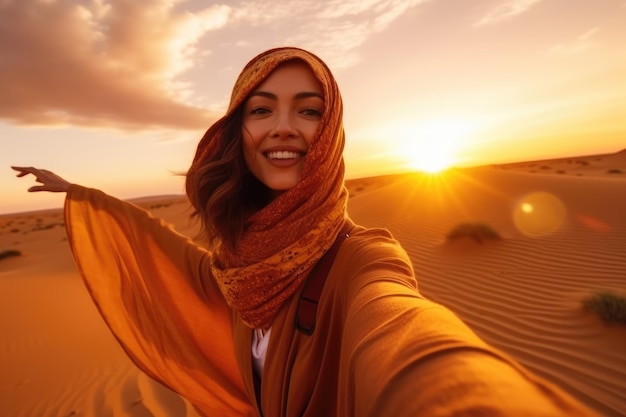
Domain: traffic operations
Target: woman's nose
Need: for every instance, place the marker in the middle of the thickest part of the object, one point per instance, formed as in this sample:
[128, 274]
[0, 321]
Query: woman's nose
[284, 127]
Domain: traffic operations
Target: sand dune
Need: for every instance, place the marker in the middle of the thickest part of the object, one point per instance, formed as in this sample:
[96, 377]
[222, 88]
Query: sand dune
[523, 293]
[564, 237]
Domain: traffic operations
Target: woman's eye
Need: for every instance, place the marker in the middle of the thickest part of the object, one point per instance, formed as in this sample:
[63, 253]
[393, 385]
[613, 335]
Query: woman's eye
[312, 112]
[259, 110]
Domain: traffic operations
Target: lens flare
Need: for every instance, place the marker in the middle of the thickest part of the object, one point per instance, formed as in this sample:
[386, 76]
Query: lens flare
[539, 214]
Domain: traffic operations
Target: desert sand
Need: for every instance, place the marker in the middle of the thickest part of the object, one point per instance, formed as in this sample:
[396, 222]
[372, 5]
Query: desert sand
[563, 229]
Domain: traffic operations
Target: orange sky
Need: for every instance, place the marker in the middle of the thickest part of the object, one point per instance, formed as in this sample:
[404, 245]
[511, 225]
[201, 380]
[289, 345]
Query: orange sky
[116, 94]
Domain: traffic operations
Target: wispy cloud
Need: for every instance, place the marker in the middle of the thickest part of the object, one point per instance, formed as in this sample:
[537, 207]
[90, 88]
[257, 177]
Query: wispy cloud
[100, 63]
[580, 44]
[506, 10]
[334, 28]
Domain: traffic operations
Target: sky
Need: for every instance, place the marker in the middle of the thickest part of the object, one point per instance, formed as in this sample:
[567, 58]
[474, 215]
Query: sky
[115, 94]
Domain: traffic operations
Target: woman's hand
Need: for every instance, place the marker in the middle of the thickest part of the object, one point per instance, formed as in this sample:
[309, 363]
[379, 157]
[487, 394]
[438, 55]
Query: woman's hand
[49, 180]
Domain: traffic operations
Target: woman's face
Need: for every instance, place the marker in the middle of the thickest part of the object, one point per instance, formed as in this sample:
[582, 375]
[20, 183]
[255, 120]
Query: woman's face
[280, 120]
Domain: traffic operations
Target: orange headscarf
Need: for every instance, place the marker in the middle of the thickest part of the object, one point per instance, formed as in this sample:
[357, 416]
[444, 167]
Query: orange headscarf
[283, 241]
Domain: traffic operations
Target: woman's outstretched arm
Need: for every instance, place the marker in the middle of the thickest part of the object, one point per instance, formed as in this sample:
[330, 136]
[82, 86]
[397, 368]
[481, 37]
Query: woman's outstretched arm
[154, 290]
[49, 180]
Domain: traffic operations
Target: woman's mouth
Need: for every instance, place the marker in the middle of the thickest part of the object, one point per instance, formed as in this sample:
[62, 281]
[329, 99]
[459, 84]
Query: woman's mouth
[283, 155]
[284, 159]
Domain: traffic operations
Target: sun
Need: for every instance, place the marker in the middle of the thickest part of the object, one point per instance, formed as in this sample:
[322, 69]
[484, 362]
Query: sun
[433, 145]
[431, 161]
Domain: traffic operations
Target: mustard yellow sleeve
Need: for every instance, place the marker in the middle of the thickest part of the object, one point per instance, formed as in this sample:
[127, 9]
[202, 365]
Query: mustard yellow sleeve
[406, 356]
[153, 288]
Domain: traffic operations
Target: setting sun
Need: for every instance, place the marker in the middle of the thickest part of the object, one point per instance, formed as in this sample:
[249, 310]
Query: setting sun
[433, 145]
[432, 161]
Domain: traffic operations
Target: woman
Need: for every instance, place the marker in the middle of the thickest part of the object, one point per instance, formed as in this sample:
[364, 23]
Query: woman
[223, 325]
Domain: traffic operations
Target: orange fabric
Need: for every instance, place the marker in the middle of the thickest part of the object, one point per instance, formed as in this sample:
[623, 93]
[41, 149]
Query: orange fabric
[152, 288]
[379, 348]
[284, 240]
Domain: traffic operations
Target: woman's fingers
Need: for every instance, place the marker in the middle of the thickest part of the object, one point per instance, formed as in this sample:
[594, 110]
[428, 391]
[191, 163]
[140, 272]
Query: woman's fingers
[49, 180]
[23, 170]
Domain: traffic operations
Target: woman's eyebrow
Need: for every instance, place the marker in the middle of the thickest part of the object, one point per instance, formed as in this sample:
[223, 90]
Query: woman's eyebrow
[298, 96]
[307, 94]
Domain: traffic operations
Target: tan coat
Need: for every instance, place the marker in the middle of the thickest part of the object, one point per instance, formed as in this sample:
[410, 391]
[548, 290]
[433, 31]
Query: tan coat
[378, 349]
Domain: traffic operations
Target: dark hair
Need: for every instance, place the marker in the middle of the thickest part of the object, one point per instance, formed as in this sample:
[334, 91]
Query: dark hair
[220, 188]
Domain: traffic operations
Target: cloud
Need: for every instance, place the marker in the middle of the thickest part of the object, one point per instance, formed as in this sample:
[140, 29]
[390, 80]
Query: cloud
[580, 44]
[121, 63]
[333, 28]
[506, 10]
[100, 63]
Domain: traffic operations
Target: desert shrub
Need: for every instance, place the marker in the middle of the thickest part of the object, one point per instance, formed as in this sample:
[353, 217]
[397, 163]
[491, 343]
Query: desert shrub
[10, 252]
[608, 305]
[544, 167]
[41, 226]
[614, 171]
[479, 232]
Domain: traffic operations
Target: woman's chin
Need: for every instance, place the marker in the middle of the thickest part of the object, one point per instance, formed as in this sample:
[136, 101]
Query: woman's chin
[279, 187]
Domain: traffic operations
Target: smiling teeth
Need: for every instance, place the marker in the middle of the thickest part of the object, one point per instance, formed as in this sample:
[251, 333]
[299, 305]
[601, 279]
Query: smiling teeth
[283, 155]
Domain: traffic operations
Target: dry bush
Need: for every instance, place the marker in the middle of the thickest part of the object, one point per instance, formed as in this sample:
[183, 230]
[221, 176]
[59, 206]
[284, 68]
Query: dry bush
[9, 252]
[479, 232]
[608, 305]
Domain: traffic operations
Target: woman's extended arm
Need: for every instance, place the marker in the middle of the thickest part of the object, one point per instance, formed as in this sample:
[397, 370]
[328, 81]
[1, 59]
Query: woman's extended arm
[404, 355]
[154, 290]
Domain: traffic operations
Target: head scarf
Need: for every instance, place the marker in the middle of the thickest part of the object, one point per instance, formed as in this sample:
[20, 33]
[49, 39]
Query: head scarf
[283, 241]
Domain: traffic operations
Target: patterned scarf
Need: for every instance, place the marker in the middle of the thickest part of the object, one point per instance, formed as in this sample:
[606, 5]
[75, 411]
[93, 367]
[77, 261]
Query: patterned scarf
[285, 239]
